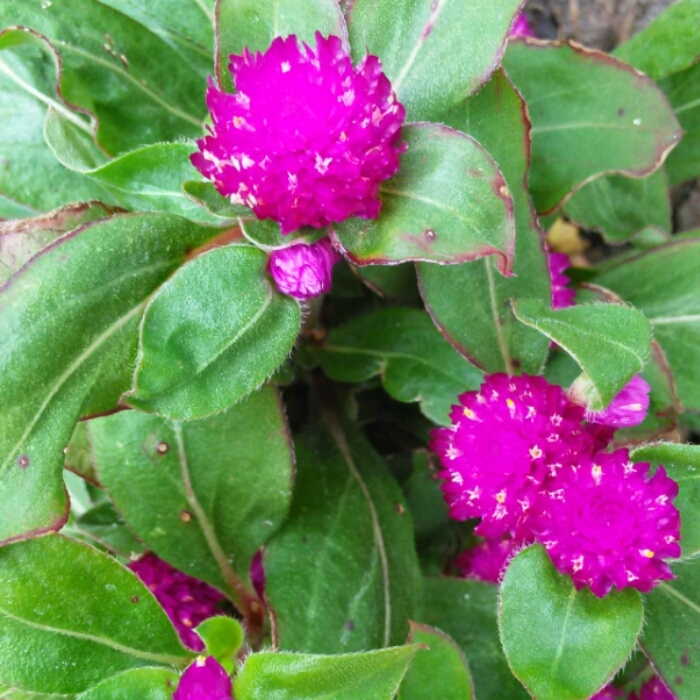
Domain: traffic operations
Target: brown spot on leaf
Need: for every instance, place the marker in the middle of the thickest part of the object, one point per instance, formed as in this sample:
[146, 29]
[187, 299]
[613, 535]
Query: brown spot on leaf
[685, 659]
[621, 112]
[23, 461]
[135, 599]
[399, 509]
[430, 235]
[678, 680]
[162, 447]
[349, 626]
[185, 516]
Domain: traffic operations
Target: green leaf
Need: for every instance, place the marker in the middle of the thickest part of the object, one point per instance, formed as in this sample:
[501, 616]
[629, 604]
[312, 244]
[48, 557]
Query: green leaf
[68, 332]
[391, 281]
[138, 88]
[222, 637]
[167, 479]
[403, 347]
[619, 207]
[466, 610]
[205, 194]
[102, 527]
[21, 239]
[448, 203]
[561, 643]
[671, 43]
[583, 101]
[671, 636]
[683, 92]
[449, 45]
[253, 25]
[27, 82]
[664, 284]
[146, 179]
[682, 464]
[214, 332]
[188, 27]
[610, 342]
[374, 675]
[71, 616]
[78, 456]
[347, 525]
[141, 683]
[442, 674]
[489, 335]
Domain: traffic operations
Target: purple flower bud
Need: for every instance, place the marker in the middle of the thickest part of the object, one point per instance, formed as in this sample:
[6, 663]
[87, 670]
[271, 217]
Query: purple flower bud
[205, 679]
[521, 27]
[187, 601]
[307, 139]
[303, 271]
[627, 409]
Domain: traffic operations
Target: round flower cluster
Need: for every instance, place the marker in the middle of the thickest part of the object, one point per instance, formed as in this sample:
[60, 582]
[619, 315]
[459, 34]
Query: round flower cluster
[205, 679]
[520, 456]
[187, 601]
[303, 271]
[307, 139]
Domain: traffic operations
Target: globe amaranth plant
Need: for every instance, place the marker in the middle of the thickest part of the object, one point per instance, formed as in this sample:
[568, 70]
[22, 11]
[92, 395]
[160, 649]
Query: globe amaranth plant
[304, 394]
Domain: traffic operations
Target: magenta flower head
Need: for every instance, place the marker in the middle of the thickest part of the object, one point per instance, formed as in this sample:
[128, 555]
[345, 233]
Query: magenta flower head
[187, 601]
[627, 409]
[608, 693]
[562, 294]
[606, 524]
[521, 27]
[653, 689]
[504, 441]
[205, 679]
[486, 561]
[307, 138]
[303, 271]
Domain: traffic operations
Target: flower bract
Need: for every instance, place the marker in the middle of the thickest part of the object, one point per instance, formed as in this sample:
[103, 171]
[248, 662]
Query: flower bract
[628, 408]
[307, 139]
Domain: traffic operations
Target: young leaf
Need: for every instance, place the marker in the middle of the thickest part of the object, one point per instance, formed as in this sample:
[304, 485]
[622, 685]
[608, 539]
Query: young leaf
[68, 330]
[449, 45]
[441, 674]
[610, 342]
[139, 88]
[373, 675]
[168, 481]
[141, 683]
[561, 643]
[671, 637]
[620, 207]
[102, 527]
[213, 333]
[582, 100]
[682, 464]
[488, 334]
[665, 285]
[222, 637]
[448, 203]
[466, 610]
[71, 616]
[250, 24]
[349, 526]
[414, 361]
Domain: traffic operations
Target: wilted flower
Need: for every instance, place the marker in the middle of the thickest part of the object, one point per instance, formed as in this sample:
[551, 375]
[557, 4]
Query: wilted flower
[606, 524]
[304, 271]
[486, 561]
[627, 409]
[205, 679]
[307, 139]
[562, 294]
[504, 441]
[653, 689]
[186, 600]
